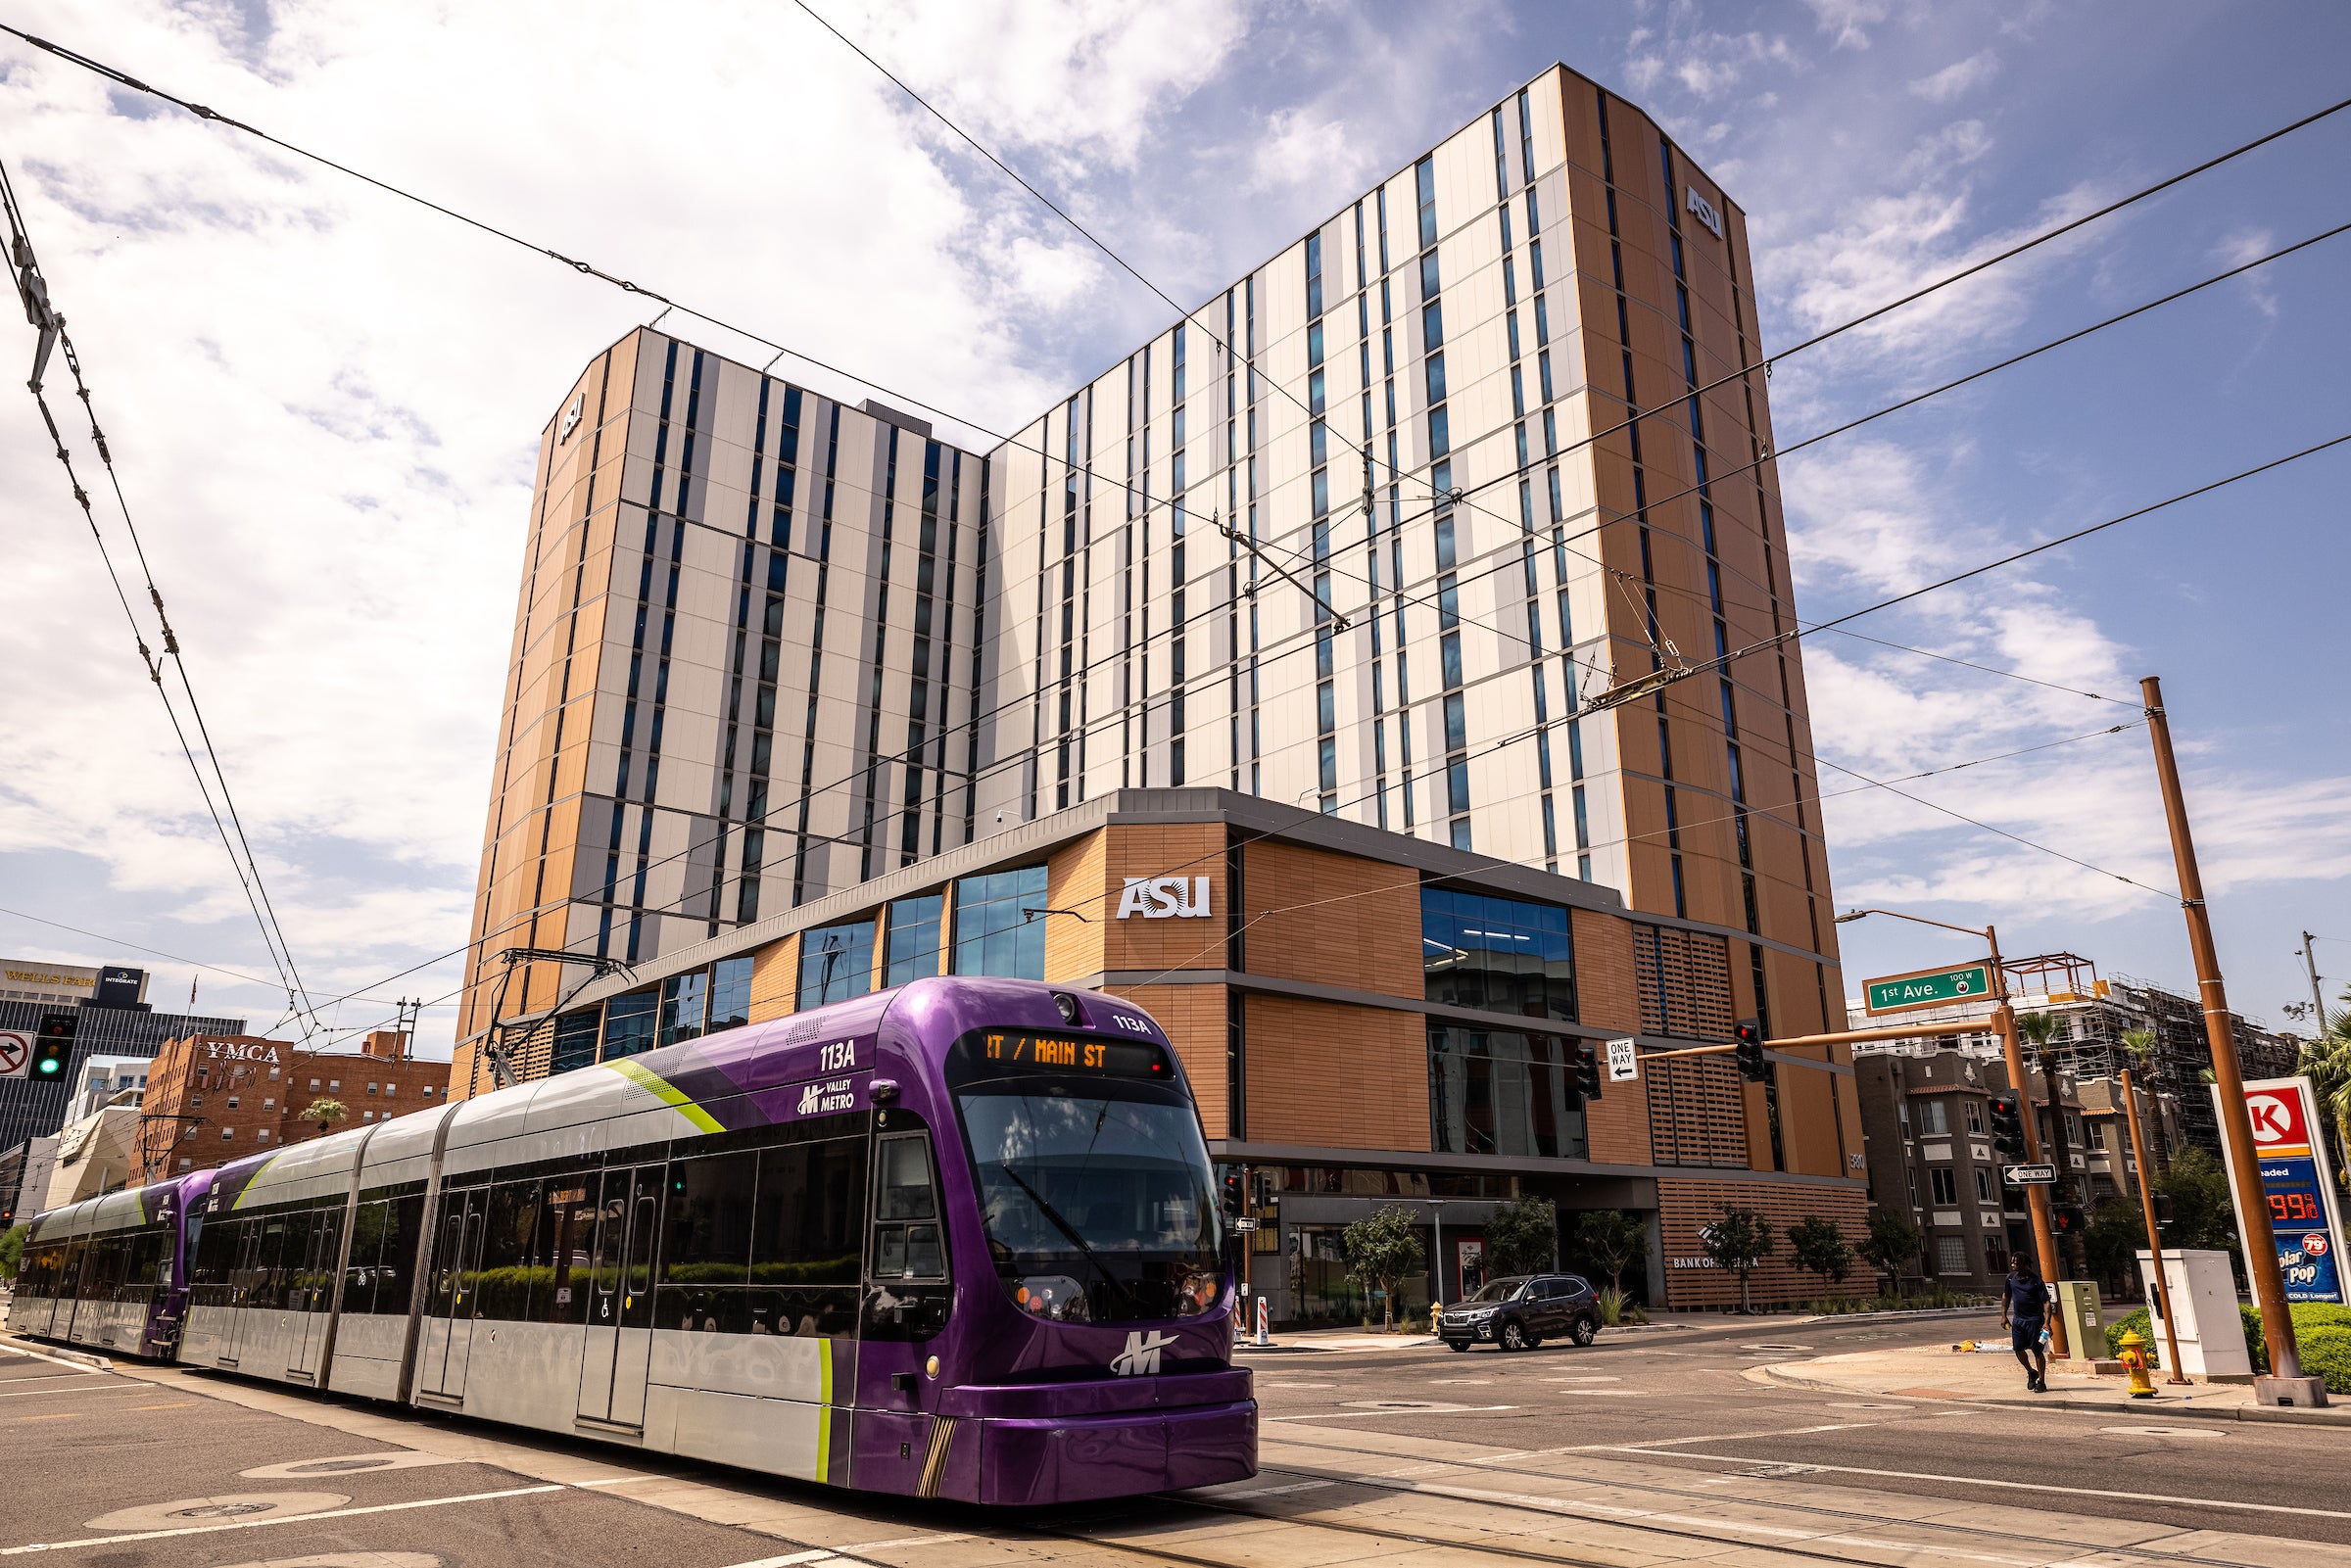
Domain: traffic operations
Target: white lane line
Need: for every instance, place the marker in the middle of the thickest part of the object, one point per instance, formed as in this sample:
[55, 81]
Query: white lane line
[1457, 1410]
[2007, 1486]
[794, 1558]
[26, 1394]
[279, 1519]
[46, 1377]
[901, 1541]
[616, 1480]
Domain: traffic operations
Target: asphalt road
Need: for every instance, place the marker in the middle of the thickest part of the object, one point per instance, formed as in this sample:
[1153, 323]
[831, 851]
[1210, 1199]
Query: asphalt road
[1641, 1451]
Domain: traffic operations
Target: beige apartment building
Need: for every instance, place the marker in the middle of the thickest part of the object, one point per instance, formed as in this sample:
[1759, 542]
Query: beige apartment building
[771, 646]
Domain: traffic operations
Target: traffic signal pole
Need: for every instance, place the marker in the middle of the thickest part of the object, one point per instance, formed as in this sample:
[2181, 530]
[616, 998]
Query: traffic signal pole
[2252, 1203]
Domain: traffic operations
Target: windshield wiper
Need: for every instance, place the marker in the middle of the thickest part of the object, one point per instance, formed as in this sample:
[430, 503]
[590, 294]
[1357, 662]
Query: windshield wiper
[1067, 1229]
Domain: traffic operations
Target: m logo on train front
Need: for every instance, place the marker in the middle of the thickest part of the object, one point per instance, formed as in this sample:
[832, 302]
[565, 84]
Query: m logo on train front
[1140, 1358]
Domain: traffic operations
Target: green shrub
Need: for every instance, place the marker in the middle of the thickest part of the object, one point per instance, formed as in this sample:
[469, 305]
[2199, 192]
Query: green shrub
[2326, 1352]
[2320, 1329]
[1610, 1302]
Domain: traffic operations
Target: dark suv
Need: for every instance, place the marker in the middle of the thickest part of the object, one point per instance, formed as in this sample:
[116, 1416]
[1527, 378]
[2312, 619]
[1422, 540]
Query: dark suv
[1520, 1313]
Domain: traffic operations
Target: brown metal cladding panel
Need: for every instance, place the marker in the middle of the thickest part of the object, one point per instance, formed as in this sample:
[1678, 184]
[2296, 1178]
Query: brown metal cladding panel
[1193, 1017]
[1683, 1207]
[775, 979]
[1075, 877]
[1579, 116]
[1333, 919]
[1350, 1077]
[1188, 851]
[1809, 1131]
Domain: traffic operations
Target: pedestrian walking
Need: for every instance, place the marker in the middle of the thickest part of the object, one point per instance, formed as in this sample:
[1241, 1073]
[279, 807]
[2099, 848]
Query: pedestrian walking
[2024, 1312]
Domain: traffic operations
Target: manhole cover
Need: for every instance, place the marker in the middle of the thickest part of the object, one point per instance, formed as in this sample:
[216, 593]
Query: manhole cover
[1770, 1470]
[344, 1464]
[1416, 1406]
[180, 1511]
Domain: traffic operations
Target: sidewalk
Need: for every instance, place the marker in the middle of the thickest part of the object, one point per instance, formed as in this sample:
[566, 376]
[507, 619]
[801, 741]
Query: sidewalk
[1991, 1376]
[1356, 1339]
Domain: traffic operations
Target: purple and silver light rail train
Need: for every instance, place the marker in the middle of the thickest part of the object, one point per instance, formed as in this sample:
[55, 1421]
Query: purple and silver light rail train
[957, 1239]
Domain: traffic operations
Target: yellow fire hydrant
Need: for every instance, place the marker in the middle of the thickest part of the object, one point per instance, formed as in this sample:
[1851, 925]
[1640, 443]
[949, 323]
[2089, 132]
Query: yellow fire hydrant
[2132, 1352]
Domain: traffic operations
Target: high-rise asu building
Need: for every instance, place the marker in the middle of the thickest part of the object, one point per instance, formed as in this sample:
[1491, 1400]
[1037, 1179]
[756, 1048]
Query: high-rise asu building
[1385, 532]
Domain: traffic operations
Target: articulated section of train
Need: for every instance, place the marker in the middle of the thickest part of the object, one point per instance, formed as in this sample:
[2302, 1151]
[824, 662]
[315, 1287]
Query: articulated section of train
[957, 1239]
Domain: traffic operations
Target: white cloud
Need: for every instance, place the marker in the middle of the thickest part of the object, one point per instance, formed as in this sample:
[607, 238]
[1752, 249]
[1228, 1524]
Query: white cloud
[2247, 244]
[326, 402]
[1847, 19]
[1960, 77]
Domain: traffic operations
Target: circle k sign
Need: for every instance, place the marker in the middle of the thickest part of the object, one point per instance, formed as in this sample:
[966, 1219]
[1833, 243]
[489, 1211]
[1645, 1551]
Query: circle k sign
[2277, 1121]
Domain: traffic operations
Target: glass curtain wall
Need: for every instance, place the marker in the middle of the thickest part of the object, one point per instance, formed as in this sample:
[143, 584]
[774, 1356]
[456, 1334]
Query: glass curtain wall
[992, 936]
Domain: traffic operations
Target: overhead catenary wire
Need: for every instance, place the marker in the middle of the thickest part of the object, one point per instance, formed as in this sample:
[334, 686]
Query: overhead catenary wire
[41, 310]
[156, 952]
[591, 270]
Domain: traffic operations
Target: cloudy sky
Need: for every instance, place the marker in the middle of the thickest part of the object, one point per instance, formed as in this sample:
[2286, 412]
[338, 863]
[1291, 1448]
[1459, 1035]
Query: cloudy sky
[326, 403]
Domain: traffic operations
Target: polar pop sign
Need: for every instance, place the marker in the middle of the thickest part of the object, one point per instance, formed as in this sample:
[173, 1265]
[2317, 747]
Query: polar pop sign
[2289, 1147]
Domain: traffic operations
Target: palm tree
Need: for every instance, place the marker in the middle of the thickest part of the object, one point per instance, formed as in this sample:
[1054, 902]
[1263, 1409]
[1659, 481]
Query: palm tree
[2326, 1061]
[2140, 1043]
[326, 1113]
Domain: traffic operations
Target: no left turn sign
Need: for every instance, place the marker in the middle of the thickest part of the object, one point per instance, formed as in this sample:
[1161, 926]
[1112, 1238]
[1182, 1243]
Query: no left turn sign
[16, 1054]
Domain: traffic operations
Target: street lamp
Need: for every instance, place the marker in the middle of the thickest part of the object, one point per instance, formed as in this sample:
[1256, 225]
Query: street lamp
[1436, 1275]
[2036, 1195]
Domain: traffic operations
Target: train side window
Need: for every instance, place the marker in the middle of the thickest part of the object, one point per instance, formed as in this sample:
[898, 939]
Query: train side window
[706, 1235]
[366, 1244]
[805, 1229]
[560, 1253]
[503, 1289]
[906, 1239]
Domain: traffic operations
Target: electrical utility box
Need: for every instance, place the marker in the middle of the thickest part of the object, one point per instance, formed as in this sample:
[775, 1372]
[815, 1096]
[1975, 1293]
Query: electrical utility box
[2202, 1288]
[2078, 1308]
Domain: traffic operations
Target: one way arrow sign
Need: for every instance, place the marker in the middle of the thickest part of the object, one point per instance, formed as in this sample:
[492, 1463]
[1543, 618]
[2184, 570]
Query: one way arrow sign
[2028, 1175]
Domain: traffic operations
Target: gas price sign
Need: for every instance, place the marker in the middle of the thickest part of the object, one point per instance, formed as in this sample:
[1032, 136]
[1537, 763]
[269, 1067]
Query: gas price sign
[2296, 1181]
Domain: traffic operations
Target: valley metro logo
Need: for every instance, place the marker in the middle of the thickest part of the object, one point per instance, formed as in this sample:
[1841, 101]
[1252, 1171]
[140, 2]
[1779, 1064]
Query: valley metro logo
[1140, 1358]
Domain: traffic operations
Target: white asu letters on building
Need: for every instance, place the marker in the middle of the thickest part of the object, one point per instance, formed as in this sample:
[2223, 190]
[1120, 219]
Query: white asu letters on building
[1705, 213]
[1164, 898]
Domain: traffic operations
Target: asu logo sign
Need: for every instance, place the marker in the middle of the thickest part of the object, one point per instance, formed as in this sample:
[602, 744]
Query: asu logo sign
[1141, 1357]
[1165, 898]
[1704, 211]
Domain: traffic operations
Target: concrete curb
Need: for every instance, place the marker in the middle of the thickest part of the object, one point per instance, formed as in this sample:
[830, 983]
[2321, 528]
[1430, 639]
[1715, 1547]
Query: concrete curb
[1923, 1311]
[2207, 1412]
[56, 1352]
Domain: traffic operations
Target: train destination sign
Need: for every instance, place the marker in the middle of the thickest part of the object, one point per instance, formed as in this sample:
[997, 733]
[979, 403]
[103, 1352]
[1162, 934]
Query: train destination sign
[1904, 993]
[1139, 1059]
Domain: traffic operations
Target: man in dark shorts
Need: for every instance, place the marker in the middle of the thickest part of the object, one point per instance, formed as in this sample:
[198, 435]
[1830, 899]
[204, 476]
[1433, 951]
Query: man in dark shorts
[2024, 1312]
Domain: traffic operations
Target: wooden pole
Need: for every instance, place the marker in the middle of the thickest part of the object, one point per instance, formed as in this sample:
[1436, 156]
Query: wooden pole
[2146, 1205]
[2036, 1195]
[2252, 1207]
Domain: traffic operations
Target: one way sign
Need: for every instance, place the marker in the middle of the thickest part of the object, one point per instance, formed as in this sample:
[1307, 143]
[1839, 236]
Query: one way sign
[2028, 1175]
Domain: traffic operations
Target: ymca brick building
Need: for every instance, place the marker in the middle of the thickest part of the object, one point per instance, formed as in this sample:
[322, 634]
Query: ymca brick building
[213, 1097]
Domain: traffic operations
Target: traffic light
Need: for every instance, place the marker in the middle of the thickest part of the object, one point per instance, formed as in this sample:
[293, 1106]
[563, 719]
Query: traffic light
[1234, 1197]
[52, 1047]
[1588, 1077]
[2007, 1127]
[1748, 1051]
[2163, 1209]
[2067, 1220]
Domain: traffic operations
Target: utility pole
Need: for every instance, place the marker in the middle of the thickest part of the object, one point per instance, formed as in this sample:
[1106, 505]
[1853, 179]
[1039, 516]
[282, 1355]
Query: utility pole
[2061, 1153]
[2252, 1205]
[2146, 1209]
[2318, 997]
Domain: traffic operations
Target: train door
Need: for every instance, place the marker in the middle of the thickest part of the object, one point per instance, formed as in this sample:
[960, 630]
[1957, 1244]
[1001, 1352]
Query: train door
[247, 1287]
[620, 1298]
[73, 1283]
[315, 1288]
[448, 1306]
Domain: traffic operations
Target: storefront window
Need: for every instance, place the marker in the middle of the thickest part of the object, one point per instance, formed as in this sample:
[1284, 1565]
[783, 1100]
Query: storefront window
[992, 936]
[1498, 955]
[730, 994]
[685, 1007]
[836, 963]
[575, 1041]
[1498, 1092]
[629, 1023]
[913, 951]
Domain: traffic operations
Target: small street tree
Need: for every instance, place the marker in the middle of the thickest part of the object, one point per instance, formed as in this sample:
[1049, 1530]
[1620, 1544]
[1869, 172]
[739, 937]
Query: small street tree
[1524, 1236]
[12, 1249]
[1614, 1240]
[1383, 1251]
[1738, 1243]
[1819, 1247]
[325, 1114]
[1891, 1244]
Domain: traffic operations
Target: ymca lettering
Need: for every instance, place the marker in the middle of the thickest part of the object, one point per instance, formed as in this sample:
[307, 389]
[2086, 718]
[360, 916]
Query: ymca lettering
[1164, 898]
[234, 1051]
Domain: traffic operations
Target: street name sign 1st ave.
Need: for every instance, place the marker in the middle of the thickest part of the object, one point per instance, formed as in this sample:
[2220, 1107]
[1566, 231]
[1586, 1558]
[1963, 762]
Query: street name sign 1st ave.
[2028, 1175]
[1904, 993]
